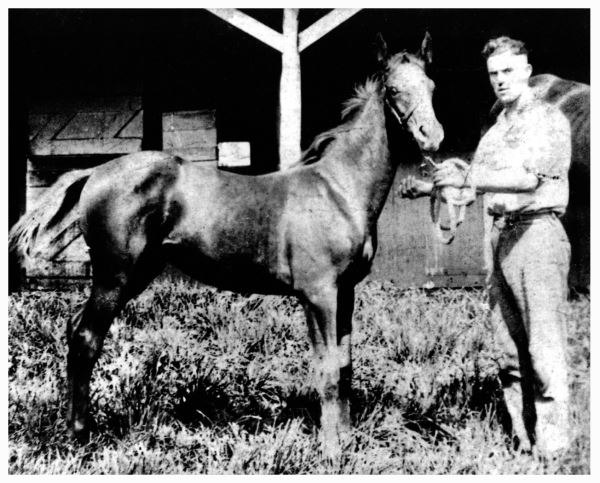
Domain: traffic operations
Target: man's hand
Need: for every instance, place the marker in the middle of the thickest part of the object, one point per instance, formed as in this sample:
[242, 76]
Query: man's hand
[447, 174]
[411, 187]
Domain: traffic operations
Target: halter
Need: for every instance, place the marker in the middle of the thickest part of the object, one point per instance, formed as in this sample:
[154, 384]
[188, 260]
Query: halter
[400, 116]
[456, 200]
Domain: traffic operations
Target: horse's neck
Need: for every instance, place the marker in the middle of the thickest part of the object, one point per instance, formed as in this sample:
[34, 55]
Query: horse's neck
[360, 164]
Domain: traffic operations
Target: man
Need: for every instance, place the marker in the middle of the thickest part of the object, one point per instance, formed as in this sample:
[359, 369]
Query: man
[521, 164]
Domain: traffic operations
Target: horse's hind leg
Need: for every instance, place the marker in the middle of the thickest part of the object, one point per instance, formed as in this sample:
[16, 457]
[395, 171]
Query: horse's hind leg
[115, 281]
[344, 338]
[85, 336]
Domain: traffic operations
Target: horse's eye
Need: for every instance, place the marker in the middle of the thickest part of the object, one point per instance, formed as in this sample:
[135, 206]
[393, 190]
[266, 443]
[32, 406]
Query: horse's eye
[393, 91]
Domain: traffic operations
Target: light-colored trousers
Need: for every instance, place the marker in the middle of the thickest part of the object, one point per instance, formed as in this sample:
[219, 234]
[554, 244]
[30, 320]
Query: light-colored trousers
[528, 294]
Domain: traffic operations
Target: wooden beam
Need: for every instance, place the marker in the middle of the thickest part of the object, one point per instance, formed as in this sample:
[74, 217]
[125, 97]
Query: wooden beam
[290, 100]
[290, 44]
[250, 25]
[324, 25]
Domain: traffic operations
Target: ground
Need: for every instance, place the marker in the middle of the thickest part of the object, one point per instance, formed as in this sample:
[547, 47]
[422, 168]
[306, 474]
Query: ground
[193, 380]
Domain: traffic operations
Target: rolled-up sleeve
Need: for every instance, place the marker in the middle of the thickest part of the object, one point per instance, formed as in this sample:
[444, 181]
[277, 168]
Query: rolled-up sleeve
[549, 145]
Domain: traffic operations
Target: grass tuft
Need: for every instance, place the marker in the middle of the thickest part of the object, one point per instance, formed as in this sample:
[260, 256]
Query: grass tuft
[193, 380]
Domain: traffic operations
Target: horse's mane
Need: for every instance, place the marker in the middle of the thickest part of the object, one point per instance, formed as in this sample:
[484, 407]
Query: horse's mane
[362, 94]
[372, 87]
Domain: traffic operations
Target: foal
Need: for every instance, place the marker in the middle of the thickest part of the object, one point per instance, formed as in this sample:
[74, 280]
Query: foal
[309, 231]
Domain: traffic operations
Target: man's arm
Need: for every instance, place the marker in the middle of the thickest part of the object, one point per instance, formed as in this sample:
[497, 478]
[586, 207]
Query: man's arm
[411, 187]
[502, 181]
[486, 180]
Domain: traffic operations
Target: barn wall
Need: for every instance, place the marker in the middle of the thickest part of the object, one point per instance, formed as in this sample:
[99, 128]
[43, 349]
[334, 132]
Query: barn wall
[79, 134]
[410, 255]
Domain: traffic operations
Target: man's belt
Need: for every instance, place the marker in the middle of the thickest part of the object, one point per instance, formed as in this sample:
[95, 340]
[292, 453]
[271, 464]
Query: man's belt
[523, 216]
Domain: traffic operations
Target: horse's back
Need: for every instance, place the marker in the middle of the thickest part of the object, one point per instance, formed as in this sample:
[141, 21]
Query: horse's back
[573, 99]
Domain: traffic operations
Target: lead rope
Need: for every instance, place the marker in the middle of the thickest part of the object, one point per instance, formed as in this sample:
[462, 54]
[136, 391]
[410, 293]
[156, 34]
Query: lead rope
[456, 200]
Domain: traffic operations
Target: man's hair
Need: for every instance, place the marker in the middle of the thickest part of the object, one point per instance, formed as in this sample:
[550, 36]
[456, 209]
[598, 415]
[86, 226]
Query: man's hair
[503, 44]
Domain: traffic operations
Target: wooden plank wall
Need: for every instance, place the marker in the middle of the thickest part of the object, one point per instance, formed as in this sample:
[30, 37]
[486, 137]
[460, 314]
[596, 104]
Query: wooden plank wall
[101, 126]
[191, 134]
[410, 255]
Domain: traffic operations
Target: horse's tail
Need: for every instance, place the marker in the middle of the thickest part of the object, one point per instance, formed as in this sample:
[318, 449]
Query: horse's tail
[43, 229]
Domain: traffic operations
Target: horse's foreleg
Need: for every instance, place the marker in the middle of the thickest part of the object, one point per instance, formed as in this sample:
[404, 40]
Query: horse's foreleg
[322, 317]
[85, 336]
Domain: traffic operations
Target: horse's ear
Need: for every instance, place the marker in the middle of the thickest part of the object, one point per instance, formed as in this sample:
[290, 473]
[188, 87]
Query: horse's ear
[426, 52]
[381, 49]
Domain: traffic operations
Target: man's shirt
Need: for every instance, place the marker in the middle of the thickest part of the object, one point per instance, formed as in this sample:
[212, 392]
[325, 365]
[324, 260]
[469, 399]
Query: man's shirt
[536, 137]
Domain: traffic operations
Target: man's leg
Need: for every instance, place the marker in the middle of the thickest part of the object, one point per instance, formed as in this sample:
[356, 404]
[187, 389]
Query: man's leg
[536, 269]
[510, 336]
[545, 280]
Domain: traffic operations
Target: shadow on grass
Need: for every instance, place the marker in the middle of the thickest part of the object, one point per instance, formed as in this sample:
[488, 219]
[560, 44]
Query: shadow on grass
[209, 404]
[257, 406]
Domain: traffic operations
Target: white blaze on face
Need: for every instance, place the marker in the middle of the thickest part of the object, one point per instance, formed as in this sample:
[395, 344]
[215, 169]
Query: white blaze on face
[509, 75]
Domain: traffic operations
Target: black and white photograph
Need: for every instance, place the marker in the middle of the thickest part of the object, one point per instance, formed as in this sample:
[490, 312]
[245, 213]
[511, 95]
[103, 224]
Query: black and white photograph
[298, 241]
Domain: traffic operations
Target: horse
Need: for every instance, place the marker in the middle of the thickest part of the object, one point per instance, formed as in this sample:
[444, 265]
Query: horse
[309, 231]
[573, 99]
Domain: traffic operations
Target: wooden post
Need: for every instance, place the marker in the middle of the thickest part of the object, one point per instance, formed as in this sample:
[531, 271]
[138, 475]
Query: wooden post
[290, 103]
[290, 44]
[324, 25]
[249, 25]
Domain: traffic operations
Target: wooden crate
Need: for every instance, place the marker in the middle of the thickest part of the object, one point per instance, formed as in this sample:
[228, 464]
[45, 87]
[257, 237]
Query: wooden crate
[191, 134]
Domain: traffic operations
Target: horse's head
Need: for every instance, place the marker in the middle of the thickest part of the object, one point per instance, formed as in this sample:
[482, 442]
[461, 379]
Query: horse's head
[409, 93]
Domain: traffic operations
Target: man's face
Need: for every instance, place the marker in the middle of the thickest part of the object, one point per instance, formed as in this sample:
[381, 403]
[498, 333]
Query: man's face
[509, 75]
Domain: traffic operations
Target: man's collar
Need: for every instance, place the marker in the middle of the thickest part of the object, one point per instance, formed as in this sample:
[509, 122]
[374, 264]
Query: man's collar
[524, 102]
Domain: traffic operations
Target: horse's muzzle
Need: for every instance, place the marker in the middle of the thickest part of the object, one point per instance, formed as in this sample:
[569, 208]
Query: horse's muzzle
[430, 142]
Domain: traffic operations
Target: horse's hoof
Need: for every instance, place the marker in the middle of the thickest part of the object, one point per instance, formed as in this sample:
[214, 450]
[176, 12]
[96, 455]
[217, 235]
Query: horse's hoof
[79, 433]
[332, 453]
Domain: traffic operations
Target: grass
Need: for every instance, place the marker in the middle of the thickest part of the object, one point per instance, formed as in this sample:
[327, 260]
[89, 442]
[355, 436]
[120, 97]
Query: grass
[193, 380]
